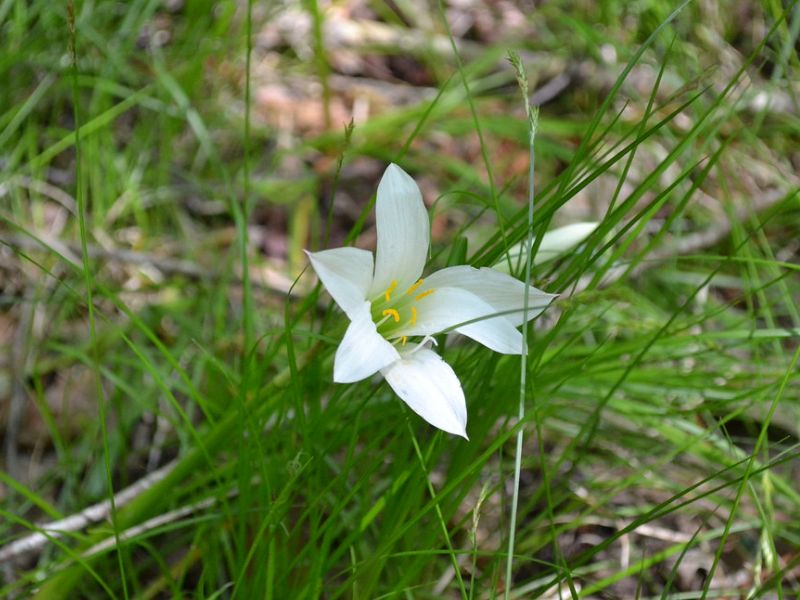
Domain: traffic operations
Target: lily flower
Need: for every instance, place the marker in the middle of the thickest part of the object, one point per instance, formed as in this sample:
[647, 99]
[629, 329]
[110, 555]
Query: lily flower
[393, 311]
[554, 243]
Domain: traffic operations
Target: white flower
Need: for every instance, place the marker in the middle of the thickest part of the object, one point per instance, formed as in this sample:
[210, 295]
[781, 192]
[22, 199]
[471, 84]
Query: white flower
[389, 305]
[554, 242]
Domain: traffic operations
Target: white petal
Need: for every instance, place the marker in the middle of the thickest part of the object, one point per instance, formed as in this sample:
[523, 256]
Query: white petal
[363, 350]
[449, 307]
[346, 273]
[403, 231]
[430, 387]
[554, 242]
[502, 292]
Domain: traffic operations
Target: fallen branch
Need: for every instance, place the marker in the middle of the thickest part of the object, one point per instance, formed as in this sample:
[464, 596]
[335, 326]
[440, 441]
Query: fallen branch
[92, 514]
[268, 279]
[150, 524]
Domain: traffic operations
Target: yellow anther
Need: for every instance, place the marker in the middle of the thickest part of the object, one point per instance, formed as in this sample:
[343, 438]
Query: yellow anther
[388, 293]
[390, 312]
[423, 294]
[413, 315]
[404, 340]
[410, 290]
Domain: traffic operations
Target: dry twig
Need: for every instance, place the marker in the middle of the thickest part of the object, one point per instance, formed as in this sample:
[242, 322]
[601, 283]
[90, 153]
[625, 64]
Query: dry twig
[92, 514]
[268, 279]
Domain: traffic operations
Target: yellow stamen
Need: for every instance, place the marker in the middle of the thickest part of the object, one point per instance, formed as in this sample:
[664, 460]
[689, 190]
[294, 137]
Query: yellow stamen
[410, 290]
[404, 340]
[413, 315]
[390, 289]
[423, 294]
[392, 313]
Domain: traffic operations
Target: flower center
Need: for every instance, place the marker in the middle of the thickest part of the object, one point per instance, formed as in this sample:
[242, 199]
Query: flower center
[394, 312]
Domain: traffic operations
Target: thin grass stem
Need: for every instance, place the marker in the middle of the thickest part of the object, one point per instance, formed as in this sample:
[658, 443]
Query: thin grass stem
[90, 285]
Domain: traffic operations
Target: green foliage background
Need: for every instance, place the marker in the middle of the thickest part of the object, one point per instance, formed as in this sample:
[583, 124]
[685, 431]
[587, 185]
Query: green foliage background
[149, 319]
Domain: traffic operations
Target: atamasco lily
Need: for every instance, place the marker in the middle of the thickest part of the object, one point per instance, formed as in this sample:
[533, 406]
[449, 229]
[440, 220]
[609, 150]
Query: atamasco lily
[394, 311]
[554, 243]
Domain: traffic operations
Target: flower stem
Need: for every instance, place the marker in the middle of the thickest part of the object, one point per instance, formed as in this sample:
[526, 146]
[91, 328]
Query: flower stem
[533, 121]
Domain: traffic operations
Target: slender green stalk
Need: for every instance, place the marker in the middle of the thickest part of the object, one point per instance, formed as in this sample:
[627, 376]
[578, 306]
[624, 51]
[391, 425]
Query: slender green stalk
[244, 242]
[89, 284]
[477, 123]
[321, 59]
[533, 123]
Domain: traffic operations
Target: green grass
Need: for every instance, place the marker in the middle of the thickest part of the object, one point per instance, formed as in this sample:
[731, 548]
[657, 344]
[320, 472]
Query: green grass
[152, 217]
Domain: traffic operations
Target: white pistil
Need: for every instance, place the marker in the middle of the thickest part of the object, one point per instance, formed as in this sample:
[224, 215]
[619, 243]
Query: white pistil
[382, 321]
